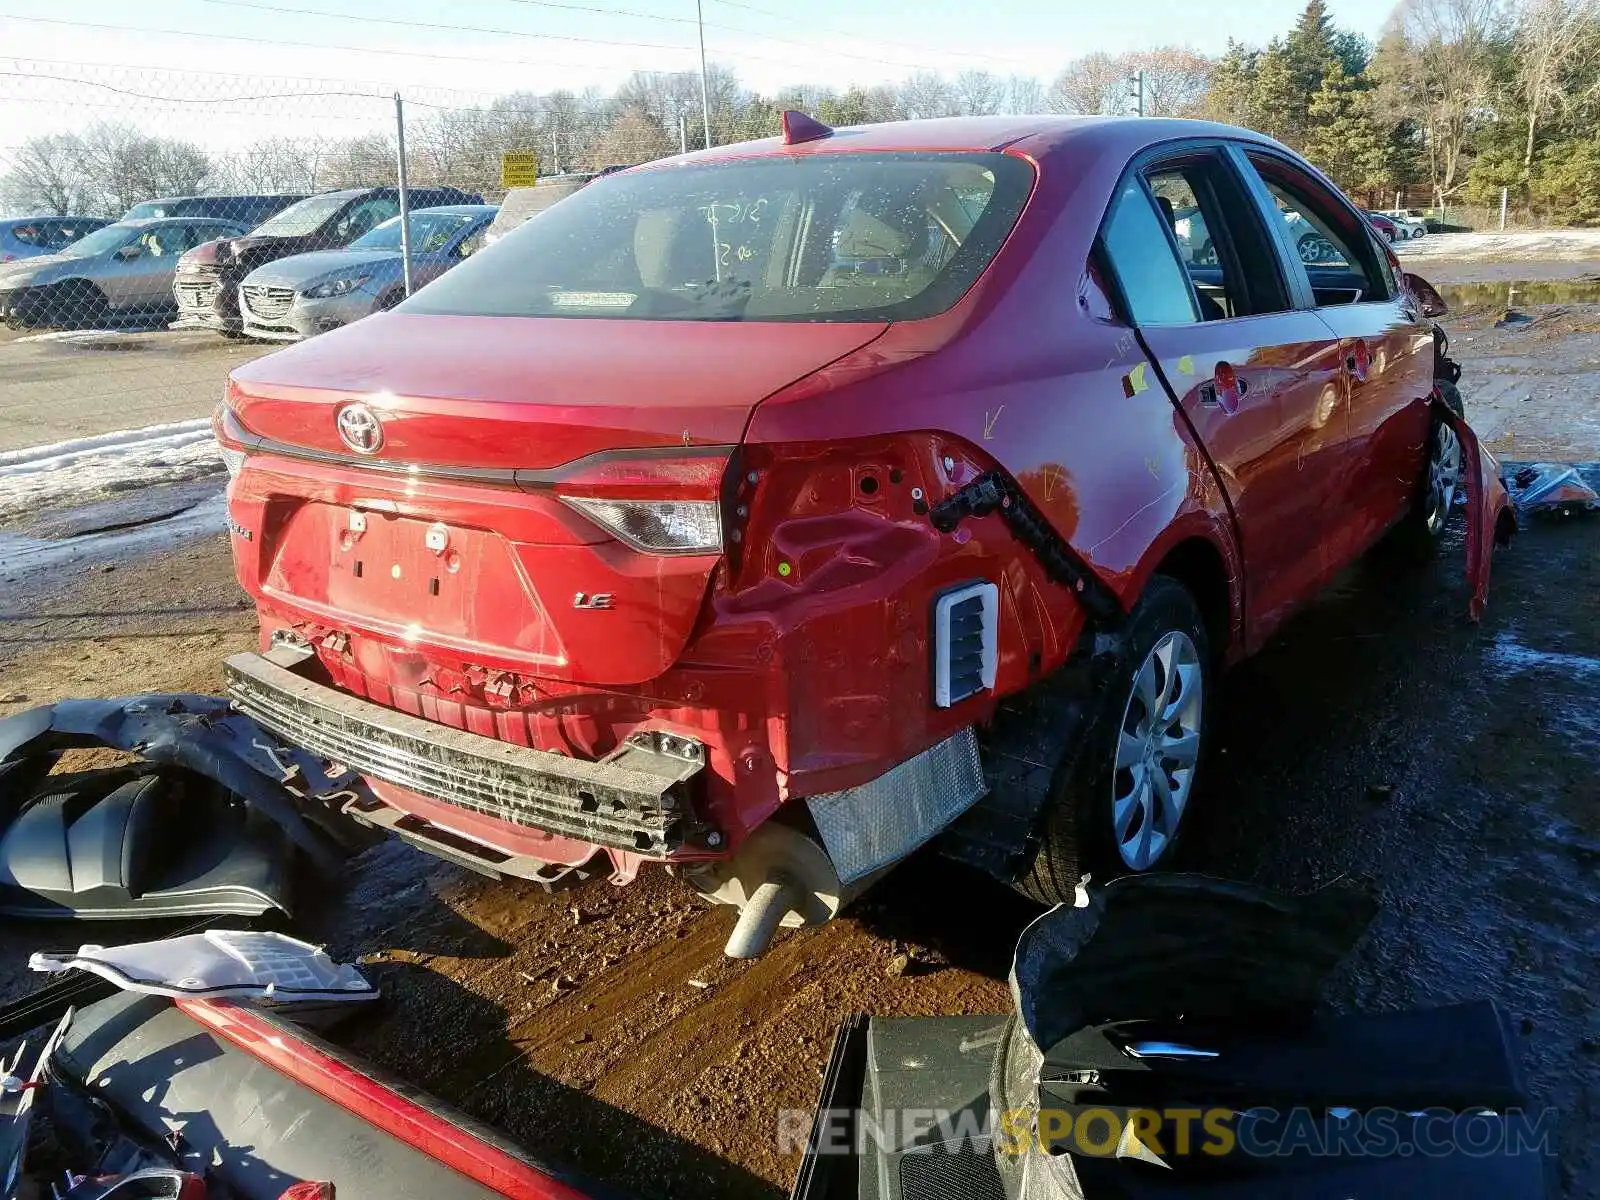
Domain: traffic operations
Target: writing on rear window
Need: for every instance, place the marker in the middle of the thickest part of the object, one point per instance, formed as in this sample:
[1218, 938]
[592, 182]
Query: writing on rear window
[839, 237]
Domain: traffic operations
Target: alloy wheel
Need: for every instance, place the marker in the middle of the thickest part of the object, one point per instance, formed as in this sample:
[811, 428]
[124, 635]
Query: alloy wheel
[1158, 746]
[1444, 475]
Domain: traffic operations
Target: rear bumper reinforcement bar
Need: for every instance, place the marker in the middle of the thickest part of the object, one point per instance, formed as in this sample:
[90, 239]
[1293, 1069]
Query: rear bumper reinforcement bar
[638, 798]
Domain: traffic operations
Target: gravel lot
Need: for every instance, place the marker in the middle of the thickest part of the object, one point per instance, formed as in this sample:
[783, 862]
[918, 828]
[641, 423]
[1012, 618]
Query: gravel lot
[56, 386]
[1379, 738]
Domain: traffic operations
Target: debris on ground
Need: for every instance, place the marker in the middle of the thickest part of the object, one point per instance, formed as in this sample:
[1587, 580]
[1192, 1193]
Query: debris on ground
[1552, 489]
[913, 960]
[122, 1075]
[219, 962]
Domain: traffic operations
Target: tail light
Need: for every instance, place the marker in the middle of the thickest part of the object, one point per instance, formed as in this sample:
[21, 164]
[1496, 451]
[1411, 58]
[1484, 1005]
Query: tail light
[231, 438]
[657, 503]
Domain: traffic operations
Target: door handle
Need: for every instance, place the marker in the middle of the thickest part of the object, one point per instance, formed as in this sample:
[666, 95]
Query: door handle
[1358, 361]
[1227, 387]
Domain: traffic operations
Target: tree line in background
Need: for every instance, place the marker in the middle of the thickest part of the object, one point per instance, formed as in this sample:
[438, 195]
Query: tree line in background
[1457, 100]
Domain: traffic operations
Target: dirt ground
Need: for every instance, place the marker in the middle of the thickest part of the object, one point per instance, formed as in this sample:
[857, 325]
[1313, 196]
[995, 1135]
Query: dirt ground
[1380, 739]
[56, 386]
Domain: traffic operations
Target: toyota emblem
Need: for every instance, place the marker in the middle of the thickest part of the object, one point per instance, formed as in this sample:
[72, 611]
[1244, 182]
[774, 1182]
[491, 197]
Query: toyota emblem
[360, 429]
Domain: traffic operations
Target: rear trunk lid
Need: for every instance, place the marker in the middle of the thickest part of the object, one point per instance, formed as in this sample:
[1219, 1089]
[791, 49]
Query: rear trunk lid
[531, 393]
[436, 541]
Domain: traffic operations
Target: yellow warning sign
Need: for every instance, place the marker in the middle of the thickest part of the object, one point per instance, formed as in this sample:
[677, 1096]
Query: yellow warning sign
[519, 169]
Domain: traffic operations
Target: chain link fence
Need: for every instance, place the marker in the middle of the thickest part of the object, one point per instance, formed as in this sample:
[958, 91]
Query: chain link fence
[129, 170]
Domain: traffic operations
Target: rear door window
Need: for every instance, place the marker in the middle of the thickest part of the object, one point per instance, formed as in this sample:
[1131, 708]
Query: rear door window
[64, 233]
[1333, 244]
[1201, 243]
[365, 217]
[1151, 277]
[816, 237]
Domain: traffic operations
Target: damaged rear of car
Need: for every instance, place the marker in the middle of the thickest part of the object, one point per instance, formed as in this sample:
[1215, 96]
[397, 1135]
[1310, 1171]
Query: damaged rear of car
[758, 512]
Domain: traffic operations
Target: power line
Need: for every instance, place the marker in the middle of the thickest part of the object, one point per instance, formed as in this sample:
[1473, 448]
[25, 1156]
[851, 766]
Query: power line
[740, 29]
[208, 100]
[338, 16]
[279, 42]
[388, 86]
[559, 37]
[803, 42]
[981, 57]
[422, 54]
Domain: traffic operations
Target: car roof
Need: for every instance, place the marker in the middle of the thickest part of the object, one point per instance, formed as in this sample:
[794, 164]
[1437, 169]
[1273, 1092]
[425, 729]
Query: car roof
[469, 210]
[1033, 135]
[145, 222]
[29, 220]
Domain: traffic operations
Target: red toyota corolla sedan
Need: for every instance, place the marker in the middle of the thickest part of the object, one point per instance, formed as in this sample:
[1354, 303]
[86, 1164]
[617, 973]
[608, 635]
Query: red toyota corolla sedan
[766, 511]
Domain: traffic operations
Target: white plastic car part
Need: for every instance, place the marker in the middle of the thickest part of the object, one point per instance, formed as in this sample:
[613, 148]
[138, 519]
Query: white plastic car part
[219, 963]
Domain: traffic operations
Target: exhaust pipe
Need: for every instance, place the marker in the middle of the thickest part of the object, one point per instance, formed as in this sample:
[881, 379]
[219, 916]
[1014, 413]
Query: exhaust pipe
[759, 919]
[780, 878]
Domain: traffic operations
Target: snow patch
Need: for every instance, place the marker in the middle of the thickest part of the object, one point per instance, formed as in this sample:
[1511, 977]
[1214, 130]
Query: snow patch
[65, 472]
[21, 556]
[1525, 245]
[83, 335]
[1509, 654]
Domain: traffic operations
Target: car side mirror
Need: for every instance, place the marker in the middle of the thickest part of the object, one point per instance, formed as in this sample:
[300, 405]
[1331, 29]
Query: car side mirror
[128, 253]
[1433, 304]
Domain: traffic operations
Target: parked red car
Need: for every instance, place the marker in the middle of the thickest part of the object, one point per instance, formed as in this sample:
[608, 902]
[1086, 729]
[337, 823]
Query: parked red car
[1382, 224]
[758, 511]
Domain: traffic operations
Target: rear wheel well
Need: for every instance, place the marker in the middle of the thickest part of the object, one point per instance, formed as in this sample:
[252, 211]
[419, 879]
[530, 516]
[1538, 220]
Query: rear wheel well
[1199, 566]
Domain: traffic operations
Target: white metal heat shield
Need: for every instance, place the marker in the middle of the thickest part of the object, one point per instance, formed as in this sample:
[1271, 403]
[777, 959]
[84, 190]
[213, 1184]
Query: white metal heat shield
[868, 827]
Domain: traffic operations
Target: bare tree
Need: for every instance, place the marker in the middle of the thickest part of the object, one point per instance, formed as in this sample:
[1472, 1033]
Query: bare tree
[104, 170]
[44, 177]
[1024, 95]
[634, 137]
[1552, 36]
[978, 93]
[366, 161]
[1093, 84]
[1449, 45]
[1175, 80]
[274, 165]
[927, 94]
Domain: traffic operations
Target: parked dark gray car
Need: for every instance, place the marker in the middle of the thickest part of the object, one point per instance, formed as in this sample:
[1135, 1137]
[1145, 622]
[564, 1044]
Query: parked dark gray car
[307, 294]
[248, 211]
[30, 237]
[118, 271]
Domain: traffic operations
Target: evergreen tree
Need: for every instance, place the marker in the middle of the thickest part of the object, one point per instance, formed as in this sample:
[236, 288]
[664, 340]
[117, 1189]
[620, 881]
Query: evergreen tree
[1342, 136]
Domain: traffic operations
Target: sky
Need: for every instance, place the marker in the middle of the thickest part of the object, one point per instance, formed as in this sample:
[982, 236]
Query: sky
[148, 59]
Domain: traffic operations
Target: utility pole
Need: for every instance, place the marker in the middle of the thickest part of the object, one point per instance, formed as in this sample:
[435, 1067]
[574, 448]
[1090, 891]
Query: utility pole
[405, 196]
[705, 88]
[555, 152]
[683, 131]
[1137, 92]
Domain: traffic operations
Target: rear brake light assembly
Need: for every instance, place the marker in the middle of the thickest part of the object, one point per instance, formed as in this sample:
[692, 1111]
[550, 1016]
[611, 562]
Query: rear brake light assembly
[231, 438]
[655, 503]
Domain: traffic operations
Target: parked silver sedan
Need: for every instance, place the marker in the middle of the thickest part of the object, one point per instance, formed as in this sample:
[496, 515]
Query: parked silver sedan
[122, 270]
[307, 294]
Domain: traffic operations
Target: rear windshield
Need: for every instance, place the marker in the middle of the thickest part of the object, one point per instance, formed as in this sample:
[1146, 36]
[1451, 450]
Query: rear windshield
[305, 217]
[839, 237]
